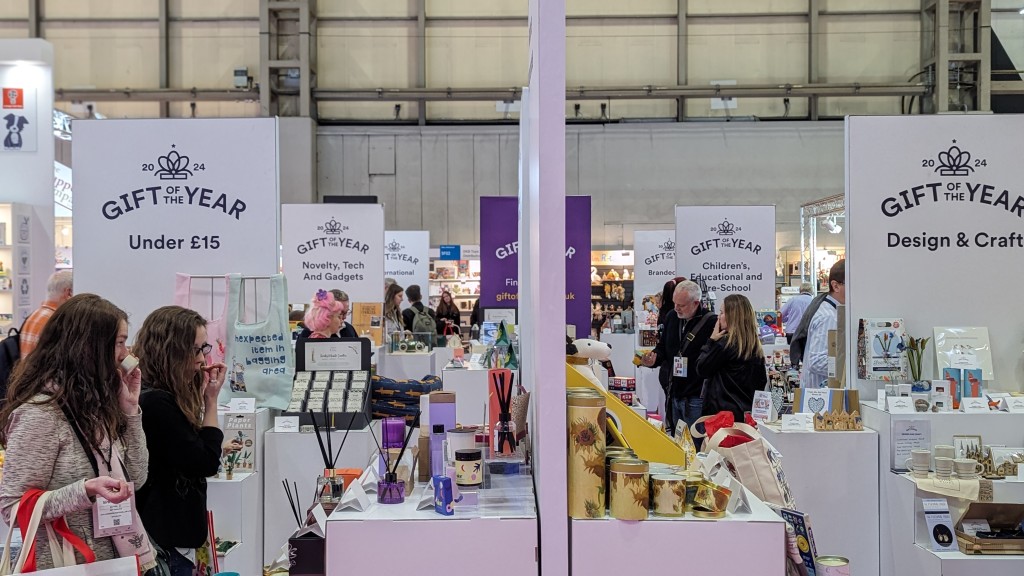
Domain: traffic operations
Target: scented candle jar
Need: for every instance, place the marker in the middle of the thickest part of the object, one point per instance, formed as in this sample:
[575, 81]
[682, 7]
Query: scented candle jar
[629, 489]
[469, 469]
[585, 417]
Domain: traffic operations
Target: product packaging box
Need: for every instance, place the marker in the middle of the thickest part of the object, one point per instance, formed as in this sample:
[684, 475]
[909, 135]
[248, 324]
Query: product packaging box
[1000, 516]
[839, 399]
[879, 349]
[307, 553]
[423, 459]
[242, 427]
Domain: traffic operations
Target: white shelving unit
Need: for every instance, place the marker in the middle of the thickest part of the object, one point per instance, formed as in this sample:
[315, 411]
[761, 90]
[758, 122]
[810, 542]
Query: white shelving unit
[236, 516]
[15, 254]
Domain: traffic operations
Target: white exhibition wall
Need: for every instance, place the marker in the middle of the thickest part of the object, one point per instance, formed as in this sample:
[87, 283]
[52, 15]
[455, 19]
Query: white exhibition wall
[156, 197]
[26, 176]
[935, 217]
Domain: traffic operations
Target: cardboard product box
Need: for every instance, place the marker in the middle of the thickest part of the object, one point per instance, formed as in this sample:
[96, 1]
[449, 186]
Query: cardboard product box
[839, 399]
[999, 515]
[442, 409]
[307, 551]
[423, 461]
[242, 427]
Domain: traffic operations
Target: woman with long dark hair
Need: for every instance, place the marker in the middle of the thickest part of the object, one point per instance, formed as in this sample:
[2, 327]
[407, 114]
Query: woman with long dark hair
[179, 402]
[447, 314]
[72, 426]
[732, 361]
[393, 311]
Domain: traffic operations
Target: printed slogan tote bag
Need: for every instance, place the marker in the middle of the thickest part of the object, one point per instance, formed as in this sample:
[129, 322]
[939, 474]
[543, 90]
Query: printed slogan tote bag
[260, 357]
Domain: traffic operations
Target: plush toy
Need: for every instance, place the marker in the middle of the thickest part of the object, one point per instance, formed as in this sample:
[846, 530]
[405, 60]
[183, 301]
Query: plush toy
[593, 351]
[595, 278]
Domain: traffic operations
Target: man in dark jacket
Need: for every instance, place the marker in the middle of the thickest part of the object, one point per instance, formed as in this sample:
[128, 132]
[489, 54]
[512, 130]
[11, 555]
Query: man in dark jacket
[415, 296]
[679, 345]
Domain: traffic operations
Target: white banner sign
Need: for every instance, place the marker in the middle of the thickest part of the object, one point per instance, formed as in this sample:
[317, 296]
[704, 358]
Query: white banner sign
[328, 246]
[157, 197]
[654, 261]
[407, 258]
[935, 211]
[732, 248]
[61, 191]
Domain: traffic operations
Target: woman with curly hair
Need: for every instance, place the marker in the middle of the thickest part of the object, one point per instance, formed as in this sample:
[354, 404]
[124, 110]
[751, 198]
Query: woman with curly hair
[179, 402]
[72, 426]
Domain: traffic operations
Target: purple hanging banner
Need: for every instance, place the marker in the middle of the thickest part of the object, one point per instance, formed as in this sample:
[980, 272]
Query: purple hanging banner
[499, 256]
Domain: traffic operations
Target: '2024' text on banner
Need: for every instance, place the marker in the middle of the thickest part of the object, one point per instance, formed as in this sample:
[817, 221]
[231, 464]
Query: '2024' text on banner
[329, 246]
[156, 197]
[731, 248]
[499, 256]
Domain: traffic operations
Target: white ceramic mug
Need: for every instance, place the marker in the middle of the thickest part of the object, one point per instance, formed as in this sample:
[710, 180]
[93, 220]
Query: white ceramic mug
[967, 467]
[943, 467]
[945, 451]
[919, 459]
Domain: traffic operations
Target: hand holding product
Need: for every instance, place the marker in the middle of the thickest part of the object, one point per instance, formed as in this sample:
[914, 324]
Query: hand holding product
[131, 385]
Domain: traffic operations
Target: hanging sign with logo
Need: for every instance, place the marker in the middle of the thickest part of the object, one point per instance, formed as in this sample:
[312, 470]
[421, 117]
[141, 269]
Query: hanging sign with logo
[936, 211]
[654, 261]
[158, 197]
[499, 256]
[17, 116]
[329, 246]
[730, 248]
[407, 257]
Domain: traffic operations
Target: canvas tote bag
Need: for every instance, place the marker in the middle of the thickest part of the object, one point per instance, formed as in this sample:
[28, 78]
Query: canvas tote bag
[259, 356]
[755, 463]
[216, 328]
[63, 553]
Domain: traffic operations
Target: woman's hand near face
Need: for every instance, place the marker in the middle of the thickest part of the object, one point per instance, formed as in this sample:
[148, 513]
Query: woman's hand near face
[213, 380]
[131, 386]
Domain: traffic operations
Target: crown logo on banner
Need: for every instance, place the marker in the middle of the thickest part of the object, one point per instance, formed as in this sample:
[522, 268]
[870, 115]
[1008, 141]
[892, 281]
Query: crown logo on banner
[394, 246]
[332, 227]
[726, 228]
[173, 166]
[668, 246]
[954, 162]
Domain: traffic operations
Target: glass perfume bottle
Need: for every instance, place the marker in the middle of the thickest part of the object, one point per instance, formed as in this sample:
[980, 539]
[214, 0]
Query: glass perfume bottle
[390, 490]
[329, 489]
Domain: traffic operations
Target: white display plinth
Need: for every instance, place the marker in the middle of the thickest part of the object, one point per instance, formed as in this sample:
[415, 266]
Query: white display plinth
[959, 564]
[648, 389]
[237, 515]
[505, 517]
[898, 553]
[406, 366]
[442, 356]
[472, 391]
[834, 478]
[748, 544]
[252, 499]
[296, 456]
[622, 352]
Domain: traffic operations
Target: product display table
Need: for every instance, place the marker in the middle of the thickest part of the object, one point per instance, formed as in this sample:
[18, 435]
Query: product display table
[834, 478]
[748, 544]
[499, 532]
[899, 555]
[623, 346]
[296, 456]
[406, 366]
[928, 562]
[237, 516]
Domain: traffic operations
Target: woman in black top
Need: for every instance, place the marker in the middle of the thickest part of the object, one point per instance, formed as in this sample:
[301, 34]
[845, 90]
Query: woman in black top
[732, 361]
[179, 415]
[447, 314]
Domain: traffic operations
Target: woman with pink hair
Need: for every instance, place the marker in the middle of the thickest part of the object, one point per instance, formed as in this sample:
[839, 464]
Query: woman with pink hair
[323, 317]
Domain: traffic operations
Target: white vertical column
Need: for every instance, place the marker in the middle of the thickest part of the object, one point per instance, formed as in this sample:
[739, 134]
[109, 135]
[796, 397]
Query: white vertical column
[26, 177]
[542, 271]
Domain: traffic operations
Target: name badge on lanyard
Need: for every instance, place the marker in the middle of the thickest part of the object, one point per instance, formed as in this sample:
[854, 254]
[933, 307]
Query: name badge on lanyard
[679, 366]
[113, 519]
